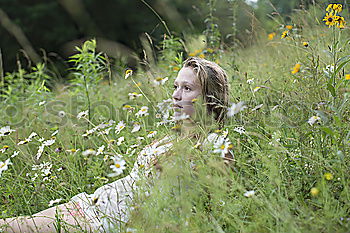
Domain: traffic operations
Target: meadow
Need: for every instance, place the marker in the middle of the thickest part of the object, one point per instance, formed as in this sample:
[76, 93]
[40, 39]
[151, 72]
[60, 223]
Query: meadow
[288, 126]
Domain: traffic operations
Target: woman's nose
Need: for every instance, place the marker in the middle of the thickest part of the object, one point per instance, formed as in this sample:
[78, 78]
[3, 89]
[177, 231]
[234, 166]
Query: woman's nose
[177, 94]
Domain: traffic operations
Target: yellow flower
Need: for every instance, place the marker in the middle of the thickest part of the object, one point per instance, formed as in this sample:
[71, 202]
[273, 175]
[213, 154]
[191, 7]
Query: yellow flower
[176, 68]
[289, 27]
[340, 22]
[284, 34]
[197, 51]
[328, 176]
[314, 191]
[271, 35]
[296, 68]
[201, 55]
[334, 7]
[330, 19]
[128, 73]
[191, 54]
[194, 100]
[347, 77]
[306, 44]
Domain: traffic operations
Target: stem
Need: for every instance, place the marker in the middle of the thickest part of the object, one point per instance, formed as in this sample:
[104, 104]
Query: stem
[88, 98]
[160, 18]
[2, 80]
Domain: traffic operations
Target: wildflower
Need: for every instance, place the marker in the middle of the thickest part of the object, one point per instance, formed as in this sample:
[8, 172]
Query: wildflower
[271, 35]
[49, 142]
[296, 68]
[100, 150]
[330, 19]
[191, 54]
[151, 134]
[176, 68]
[160, 81]
[61, 114]
[142, 112]
[284, 34]
[235, 108]
[120, 140]
[15, 153]
[289, 27]
[221, 145]
[306, 44]
[136, 127]
[128, 73]
[314, 191]
[42, 103]
[201, 56]
[6, 130]
[119, 127]
[340, 22]
[4, 148]
[118, 166]
[134, 95]
[240, 130]
[4, 165]
[334, 7]
[128, 108]
[328, 176]
[256, 89]
[250, 193]
[83, 114]
[56, 201]
[40, 151]
[89, 152]
[312, 120]
[250, 81]
[347, 77]
[140, 138]
[71, 150]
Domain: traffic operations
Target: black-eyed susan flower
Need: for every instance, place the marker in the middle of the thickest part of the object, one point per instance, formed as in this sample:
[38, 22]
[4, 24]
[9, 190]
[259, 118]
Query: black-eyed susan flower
[284, 34]
[306, 44]
[296, 68]
[330, 19]
[289, 27]
[347, 77]
[271, 35]
[334, 7]
[340, 22]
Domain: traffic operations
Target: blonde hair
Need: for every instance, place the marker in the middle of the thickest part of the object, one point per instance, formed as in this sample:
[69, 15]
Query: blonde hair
[213, 80]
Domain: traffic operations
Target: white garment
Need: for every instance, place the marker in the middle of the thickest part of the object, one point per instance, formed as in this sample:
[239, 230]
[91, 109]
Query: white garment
[108, 207]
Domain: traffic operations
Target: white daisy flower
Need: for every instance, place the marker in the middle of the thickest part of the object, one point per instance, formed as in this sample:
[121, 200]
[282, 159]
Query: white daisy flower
[142, 112]
[54, 133]
[120, 140]
[100, 150]
[240, 130]
[40, 152]
[83, 114]
[250, 193]
[250, 81]
[257, 107]
[105, 131]
[4, 165]
[42, 103]
[128, 73]
[119, 127]
[4, 148]
[312, 120]
[160, 81]
[49, 142]
[88, 152]
[118, 166]
[235, 108]
[222, 146]
[6, 130]
[136, 127]
[52, 202]
[134, 95]
[61, 114]
[140, 138]
[32, 135]
[151, 134]
[15, 153]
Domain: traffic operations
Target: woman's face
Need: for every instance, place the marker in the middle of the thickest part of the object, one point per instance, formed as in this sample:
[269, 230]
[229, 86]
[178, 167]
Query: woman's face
[186, 88]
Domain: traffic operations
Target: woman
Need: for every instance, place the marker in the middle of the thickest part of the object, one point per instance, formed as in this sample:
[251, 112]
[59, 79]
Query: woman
[107, 208]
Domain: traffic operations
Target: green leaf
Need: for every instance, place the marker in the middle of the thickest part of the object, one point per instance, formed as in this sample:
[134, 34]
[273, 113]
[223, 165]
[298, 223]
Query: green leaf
[331, 89]
[342, 62]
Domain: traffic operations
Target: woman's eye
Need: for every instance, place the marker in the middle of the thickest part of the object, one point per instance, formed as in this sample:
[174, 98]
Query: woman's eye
[187, 88]
[175, 87]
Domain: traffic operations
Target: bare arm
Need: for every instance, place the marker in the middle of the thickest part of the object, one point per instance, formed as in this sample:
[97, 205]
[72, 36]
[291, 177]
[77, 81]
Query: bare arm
[65, 217]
